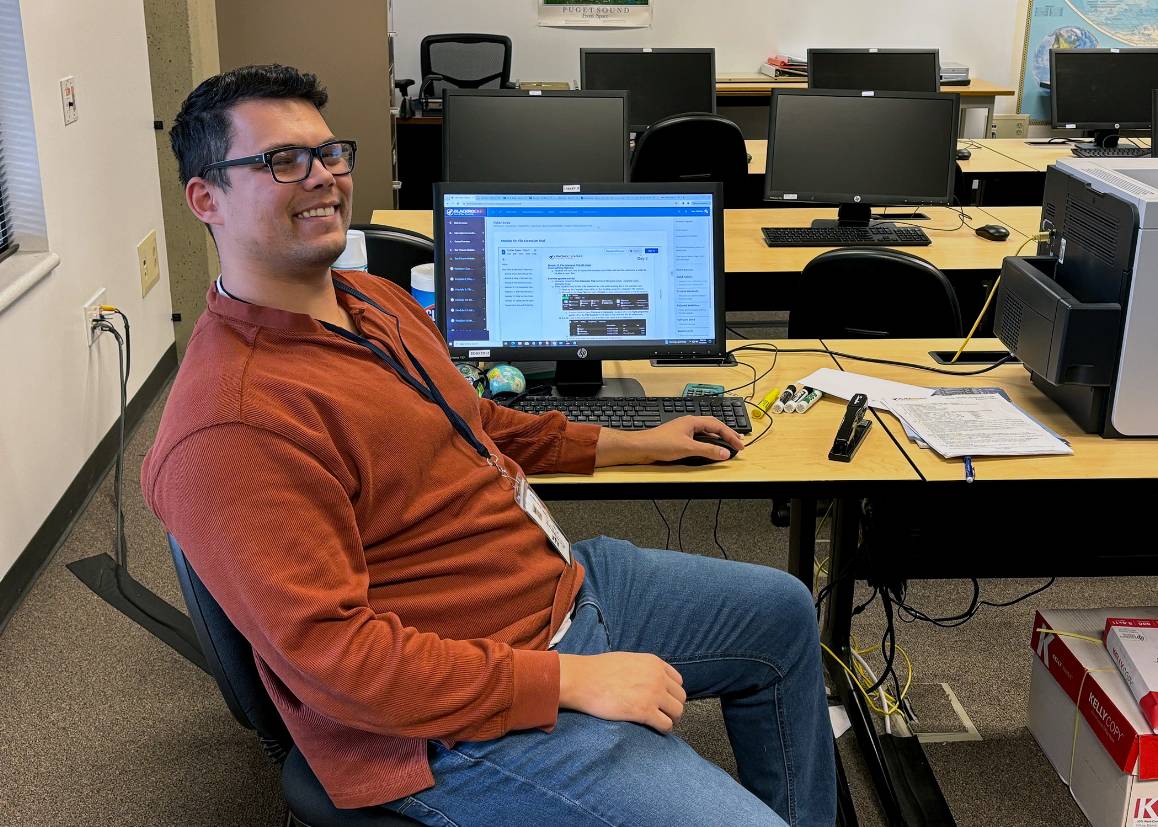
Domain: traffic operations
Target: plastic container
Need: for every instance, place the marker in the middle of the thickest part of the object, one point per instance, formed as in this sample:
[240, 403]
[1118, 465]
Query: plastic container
[422, 287]
[354, 256]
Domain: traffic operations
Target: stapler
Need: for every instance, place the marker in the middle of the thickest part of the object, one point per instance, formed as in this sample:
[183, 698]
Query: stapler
[852, 430]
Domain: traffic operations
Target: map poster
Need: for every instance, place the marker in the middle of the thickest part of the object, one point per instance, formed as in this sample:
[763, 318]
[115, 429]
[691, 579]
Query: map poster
[620, 14]
[1076, 24]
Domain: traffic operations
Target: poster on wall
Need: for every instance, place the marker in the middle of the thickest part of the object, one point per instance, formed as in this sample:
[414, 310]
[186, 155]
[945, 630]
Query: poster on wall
[620, 14]
[1076, 24]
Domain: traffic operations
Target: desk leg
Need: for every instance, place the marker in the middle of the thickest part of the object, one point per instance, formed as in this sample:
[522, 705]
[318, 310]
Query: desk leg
[905, 785]
[802, 540]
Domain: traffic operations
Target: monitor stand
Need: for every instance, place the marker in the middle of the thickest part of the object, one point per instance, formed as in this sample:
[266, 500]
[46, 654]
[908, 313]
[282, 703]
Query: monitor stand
[851, 215]
[1102, 137]
[585, 378]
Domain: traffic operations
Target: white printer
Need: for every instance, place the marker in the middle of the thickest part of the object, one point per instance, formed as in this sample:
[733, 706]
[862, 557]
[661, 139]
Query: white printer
[1082, 314]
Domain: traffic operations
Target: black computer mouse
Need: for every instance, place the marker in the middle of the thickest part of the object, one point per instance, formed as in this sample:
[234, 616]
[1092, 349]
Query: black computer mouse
[709, 439]
[964, 154]
[993, 232]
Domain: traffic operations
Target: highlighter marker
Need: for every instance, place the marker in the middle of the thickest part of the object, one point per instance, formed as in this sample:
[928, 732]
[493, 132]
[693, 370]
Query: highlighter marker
[778, 405]
[766, 403]
[791, 404]
[808, 401]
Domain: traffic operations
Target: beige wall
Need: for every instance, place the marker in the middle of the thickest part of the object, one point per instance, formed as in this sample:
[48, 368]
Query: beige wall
[345, 45]
[182, 38]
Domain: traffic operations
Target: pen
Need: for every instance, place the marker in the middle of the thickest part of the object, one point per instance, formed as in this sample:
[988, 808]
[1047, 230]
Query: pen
[968, 469]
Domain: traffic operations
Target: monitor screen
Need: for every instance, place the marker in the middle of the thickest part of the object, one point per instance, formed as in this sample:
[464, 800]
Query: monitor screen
[511, 135]
[895, 70]
[1154, 125]
[884, 148]
[662, 82]
[631, 271]
[1102, 88]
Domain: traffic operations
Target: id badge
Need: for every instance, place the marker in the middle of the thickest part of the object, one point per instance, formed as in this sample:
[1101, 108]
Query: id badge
[529, 501]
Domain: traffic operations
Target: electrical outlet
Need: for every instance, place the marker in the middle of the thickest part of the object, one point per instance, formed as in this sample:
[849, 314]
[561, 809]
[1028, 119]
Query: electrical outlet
[68, 99]
[92, 312]
[149, 263]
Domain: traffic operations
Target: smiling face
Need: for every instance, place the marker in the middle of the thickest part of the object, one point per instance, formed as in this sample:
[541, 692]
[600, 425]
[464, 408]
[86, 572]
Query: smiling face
[260, 224]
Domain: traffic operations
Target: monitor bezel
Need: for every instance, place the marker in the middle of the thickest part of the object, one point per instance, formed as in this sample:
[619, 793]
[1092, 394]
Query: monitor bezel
[870, 51]
[1154, 124]
[869, 199]
[640, 127]
[1056, 124]
[594, 352]
[449, 95]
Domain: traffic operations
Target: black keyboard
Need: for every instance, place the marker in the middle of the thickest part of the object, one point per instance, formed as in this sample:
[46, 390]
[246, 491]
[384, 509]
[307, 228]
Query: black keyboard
[637, 413]
[1111, 151]
[845, 236]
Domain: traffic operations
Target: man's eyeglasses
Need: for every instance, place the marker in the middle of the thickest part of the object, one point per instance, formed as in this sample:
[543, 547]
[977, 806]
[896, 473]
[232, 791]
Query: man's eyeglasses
[294, 163]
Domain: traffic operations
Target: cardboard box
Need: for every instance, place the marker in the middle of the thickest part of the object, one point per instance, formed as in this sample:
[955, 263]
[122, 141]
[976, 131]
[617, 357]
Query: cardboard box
[1087, 722]
[1133, 646]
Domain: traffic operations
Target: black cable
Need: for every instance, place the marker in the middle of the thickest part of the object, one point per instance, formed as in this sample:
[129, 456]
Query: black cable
[680, 526]
[128, 343]
[855, 358]
[1025, 596]
[666, 525]
[767, 427]
[735, 332]
[716, 532]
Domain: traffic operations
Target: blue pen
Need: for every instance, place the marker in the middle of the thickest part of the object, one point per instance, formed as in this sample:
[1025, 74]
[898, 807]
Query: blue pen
[968, 469]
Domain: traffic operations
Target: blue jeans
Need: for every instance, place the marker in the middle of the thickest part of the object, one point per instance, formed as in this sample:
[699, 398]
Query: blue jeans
[744, 633]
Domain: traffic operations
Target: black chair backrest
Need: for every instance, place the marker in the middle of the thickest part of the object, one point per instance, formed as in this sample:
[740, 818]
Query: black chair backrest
[392, 252]
[857, 292]
[466, 61]
[690, 148]
[231, 663]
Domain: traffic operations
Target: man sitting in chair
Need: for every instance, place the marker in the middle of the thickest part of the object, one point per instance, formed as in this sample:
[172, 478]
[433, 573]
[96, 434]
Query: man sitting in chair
[433, 643]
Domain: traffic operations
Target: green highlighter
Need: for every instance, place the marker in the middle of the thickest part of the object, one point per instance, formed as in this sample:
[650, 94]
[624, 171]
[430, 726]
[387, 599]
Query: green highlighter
[695, 389]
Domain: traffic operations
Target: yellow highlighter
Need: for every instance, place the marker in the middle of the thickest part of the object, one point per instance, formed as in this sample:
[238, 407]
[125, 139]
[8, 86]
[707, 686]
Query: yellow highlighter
[767, 402]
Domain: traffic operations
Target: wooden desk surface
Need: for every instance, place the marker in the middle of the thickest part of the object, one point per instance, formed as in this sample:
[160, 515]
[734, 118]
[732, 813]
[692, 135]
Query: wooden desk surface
[1024, 220]
[739, 84]
[1035, 156]
[746, 252]
[983, 159]
[1093, 456]
[795, 450]
[759, 152]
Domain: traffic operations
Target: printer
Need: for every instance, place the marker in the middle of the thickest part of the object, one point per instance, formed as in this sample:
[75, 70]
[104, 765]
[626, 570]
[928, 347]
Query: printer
[1082, 314]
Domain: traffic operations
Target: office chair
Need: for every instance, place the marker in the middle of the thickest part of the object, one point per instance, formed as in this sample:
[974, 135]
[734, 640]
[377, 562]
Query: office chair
[465, 61]
[858, 293]
[391, 252]
[231, 663]
[693, 147]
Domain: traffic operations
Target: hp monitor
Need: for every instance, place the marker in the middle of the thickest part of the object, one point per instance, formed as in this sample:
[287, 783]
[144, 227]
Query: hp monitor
[1103, 90]
[859, 149]
[503, 135]
[662, 82]
[895, 70]
[580, 274]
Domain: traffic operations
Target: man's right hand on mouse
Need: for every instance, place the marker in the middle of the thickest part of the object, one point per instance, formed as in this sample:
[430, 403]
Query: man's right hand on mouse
[669, 442]
[623, 686]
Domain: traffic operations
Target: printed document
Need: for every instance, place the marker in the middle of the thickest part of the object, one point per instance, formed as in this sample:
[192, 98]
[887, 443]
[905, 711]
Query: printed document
[845, 385]
[975, 425]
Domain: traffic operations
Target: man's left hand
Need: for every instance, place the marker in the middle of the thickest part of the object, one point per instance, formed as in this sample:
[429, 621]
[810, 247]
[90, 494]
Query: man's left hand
[670, 441]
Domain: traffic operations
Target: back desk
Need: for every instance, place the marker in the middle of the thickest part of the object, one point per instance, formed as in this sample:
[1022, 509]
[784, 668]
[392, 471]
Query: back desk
[764, 278]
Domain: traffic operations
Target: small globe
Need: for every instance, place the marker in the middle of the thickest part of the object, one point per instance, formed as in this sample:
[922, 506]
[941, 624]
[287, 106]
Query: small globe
[506, 379]
[1067, 37]
[472, 375]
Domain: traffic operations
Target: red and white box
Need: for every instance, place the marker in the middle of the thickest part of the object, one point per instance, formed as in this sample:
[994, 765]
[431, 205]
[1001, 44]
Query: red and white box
[1133, 646]
[1087, 721]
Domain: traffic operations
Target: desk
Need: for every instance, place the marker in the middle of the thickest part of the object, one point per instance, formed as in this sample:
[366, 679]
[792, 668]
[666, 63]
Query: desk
[760, 277]
[1022, 517]
[740, 97]
[1037, 157]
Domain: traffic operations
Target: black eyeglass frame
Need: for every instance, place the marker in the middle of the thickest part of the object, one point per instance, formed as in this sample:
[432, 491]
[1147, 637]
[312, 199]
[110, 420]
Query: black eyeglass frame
[266, 159]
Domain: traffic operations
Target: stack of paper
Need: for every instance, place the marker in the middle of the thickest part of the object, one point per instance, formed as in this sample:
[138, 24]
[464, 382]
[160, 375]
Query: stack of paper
[975, 425]
[845, 385]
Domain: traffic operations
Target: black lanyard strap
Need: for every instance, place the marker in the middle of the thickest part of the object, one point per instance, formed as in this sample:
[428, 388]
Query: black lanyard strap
[426, 388]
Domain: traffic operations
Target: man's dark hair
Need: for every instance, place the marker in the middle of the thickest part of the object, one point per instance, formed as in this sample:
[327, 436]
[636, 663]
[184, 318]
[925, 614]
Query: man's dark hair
[201, 131]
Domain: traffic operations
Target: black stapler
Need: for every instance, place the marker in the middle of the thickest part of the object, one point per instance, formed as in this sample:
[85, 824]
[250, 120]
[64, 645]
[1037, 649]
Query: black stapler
[852, 431]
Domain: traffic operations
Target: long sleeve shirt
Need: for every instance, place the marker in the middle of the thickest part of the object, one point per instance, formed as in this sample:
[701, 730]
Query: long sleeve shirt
[391, 587]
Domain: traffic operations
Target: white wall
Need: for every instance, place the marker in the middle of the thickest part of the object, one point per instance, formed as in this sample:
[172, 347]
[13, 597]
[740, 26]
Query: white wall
[101, 196]
[978, 33]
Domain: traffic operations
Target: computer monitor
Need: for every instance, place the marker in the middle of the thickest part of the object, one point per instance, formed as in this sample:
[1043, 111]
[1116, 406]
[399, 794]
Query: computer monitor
[502, 135]
[859, 149]
[1103, 90]
[895, 70]
[579, 274]
[662, 82]
[1154, 125]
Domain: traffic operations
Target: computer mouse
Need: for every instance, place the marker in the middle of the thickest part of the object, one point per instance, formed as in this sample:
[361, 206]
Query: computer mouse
[709, 439]
[964, 154]
[993, 232]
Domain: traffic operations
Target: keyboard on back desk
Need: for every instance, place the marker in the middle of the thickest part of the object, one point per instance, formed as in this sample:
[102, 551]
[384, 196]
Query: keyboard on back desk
[1110, 151]
[637, 413]
[845, 236]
